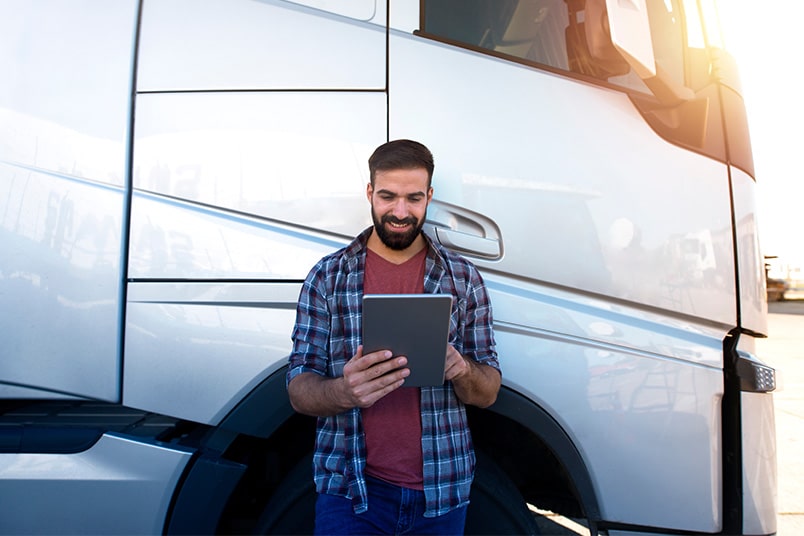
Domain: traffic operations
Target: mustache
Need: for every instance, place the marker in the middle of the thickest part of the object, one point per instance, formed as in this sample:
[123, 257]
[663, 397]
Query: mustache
[393, 219]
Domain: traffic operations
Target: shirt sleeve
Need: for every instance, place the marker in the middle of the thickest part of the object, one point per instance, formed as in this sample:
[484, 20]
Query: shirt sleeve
[479, 343]
[310, 335]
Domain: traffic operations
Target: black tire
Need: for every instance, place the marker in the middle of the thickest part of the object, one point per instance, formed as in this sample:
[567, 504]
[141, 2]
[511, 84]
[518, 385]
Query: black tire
[291, 509]
[496, 506]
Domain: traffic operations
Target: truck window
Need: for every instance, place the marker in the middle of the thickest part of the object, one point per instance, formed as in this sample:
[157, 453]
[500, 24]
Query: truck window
[566, 35]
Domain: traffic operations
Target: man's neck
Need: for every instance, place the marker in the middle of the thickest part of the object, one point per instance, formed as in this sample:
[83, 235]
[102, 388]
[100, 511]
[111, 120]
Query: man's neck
[396, 256]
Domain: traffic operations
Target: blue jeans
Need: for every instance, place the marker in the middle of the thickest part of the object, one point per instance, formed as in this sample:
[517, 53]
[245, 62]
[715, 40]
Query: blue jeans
[391, 510]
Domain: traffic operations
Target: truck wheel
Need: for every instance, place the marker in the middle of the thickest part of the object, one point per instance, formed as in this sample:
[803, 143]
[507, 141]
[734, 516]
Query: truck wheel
[496, 506]
[291, 509]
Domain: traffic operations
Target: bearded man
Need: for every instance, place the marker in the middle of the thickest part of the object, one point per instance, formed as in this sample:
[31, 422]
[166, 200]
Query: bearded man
[388, 458]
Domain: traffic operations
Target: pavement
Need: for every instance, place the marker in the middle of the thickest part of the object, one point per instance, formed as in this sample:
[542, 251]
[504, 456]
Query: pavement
[784, 350]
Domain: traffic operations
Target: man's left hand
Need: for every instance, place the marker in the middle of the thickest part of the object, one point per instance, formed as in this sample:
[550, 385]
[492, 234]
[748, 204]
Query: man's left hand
[474, 383]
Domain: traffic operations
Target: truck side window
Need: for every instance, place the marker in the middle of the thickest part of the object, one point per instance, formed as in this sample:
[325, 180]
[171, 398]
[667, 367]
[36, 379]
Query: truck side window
[569, 35]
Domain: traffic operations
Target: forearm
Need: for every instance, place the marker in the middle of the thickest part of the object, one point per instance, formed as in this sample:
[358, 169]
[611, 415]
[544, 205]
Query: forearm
[366, 379]
[318, 396]
[479, 385]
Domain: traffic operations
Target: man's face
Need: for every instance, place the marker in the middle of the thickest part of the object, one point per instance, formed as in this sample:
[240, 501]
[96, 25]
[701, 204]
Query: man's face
[399, 200]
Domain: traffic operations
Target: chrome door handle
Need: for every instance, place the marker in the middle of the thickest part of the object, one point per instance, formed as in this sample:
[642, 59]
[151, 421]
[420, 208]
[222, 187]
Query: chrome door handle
[465, 243]
[464, 231]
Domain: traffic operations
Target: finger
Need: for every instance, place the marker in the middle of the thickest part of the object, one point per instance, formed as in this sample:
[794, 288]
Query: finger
[456, 364]
[360, 381]
[453, 354]
[451, 361]
[371, 359]
[378, 356]
[449, 373]
[384, 367]
[380, 387]
[360, 362]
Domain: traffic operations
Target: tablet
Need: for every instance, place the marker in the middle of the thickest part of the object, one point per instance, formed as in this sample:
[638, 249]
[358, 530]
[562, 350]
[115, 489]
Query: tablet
[413, 325]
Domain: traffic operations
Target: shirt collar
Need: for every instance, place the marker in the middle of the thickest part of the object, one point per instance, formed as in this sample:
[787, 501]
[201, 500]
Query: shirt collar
[357, 249]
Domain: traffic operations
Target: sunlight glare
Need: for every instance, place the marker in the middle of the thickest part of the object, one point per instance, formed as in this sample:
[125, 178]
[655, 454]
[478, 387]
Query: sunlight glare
[766, 39]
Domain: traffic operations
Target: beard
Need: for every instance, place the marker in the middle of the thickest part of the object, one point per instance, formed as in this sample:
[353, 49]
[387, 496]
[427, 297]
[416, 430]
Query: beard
[396, 241]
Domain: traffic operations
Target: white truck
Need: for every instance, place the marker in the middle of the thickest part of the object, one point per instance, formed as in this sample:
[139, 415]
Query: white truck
[171, 169]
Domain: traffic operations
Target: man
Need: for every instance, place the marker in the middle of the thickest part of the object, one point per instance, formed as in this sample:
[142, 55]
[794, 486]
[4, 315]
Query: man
[390, 458]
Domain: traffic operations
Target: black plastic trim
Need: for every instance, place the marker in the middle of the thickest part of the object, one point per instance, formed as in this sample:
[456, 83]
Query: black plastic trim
[206, 487]
[263, 410]
[47, 439]
[732, 430]
[643, 529]
[210, 480]
[755, 377]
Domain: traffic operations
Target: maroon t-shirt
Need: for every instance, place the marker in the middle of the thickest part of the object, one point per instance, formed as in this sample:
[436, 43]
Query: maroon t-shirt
[393, 426]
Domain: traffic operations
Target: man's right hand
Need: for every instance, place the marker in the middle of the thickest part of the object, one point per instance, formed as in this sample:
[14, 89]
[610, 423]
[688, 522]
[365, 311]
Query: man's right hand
[366, 379]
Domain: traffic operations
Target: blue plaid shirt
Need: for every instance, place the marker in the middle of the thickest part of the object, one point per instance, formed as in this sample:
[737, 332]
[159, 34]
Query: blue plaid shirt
[327, 334]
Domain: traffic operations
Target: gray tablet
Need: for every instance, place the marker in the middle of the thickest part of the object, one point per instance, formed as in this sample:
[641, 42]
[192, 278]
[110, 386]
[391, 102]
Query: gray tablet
[413, 325]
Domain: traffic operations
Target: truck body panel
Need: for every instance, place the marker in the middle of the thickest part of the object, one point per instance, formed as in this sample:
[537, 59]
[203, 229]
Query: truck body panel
[118, 486]
[65, 120]
[170, 171]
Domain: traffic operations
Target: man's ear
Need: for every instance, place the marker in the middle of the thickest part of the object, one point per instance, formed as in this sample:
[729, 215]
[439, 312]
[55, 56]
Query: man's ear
[430, 194]
[369, 191]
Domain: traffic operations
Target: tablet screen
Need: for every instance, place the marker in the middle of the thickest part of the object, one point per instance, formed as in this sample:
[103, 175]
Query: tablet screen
[413, 325]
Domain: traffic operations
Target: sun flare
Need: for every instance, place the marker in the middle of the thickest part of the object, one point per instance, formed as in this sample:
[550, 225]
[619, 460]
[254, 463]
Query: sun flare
[766, 39]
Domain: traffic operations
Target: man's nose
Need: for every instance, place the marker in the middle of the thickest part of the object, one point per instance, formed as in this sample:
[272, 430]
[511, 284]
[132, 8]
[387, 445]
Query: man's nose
[400, 209]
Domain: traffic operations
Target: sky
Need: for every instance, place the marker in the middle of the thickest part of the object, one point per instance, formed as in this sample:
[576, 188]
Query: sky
[767, 39]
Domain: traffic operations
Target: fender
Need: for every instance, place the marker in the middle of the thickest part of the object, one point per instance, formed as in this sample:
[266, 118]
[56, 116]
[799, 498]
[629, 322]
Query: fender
[524, 411]
[209, 479]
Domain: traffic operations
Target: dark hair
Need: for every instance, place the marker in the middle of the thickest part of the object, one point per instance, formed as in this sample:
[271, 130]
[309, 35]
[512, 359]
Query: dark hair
[401, 154]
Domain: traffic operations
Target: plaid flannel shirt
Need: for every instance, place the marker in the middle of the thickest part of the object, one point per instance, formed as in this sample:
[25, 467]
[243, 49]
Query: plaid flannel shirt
[327, 334]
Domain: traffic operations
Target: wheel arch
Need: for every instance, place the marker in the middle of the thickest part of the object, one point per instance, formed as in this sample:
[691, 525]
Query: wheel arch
[209, 489]
[525, 442]
[514, 430]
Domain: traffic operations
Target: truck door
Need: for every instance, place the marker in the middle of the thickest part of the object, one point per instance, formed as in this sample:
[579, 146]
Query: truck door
[254, 124]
